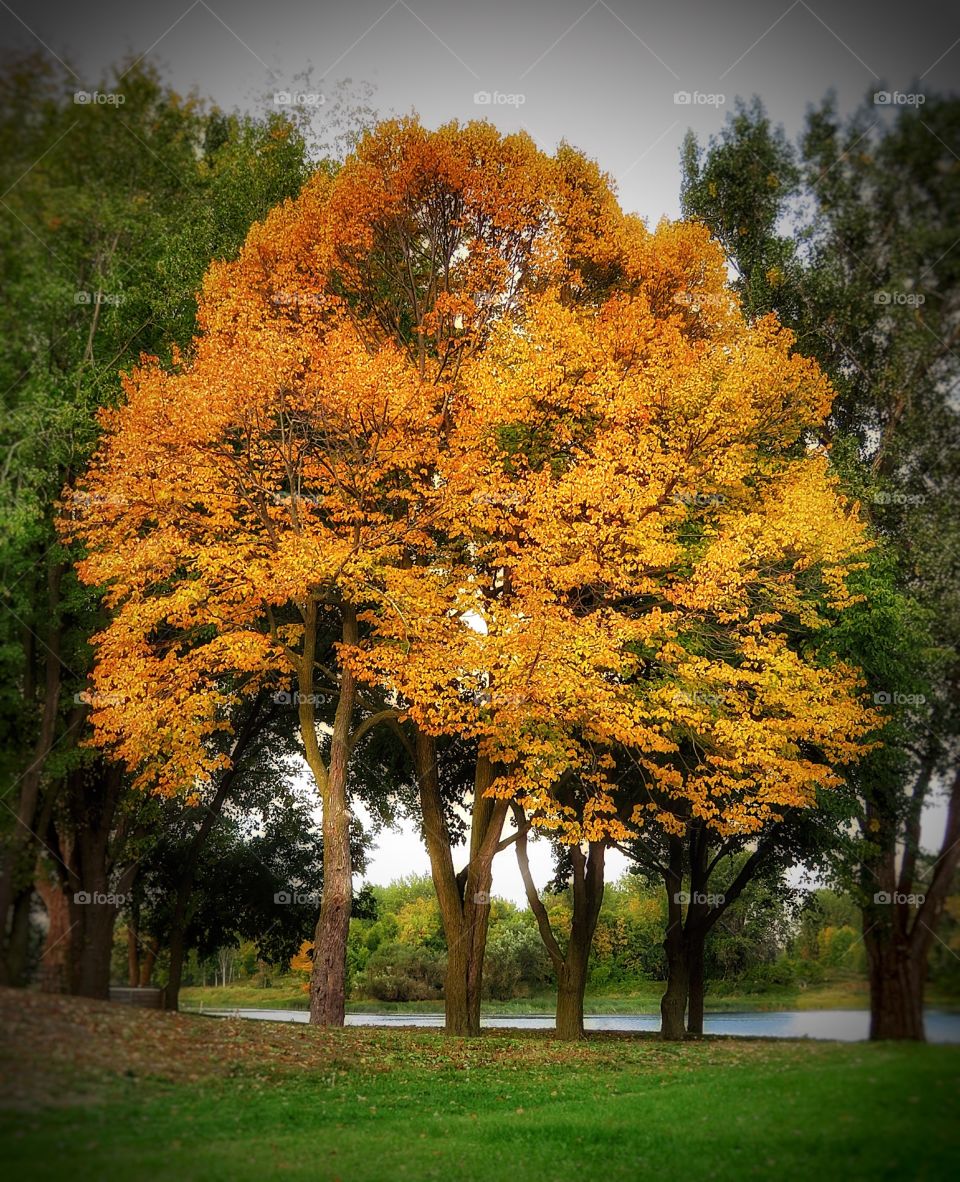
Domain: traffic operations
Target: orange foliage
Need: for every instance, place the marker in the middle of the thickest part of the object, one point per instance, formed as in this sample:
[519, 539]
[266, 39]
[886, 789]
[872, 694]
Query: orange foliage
[540, 451]
[301, 963]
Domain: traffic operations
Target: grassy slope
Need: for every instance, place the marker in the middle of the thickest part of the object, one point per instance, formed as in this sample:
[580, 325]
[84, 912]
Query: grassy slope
[108, 1092]
[287, 994]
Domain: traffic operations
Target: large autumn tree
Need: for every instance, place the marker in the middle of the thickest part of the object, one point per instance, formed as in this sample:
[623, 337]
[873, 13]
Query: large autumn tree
[647, 543]
[255, 501]
[434, 449]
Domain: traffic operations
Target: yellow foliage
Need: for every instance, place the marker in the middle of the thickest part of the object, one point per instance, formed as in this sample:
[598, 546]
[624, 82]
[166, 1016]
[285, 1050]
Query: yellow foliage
[555, 470]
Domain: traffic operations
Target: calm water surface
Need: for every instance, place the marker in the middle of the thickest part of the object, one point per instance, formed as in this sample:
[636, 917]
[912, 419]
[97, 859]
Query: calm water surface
[843, 1025]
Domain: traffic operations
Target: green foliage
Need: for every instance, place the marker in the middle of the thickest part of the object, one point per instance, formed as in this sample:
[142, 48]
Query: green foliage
[399, 954]
[396, 971]
[742, 188]
[851, 241]
[112, 215]
[516, 963]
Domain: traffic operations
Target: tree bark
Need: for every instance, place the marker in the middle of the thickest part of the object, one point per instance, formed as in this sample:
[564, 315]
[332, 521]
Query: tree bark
[898, 934]
[571, 966]
[90, 967]
[56, 948]
[133, 956]
[18, 946]
[571, 986]
[696, 942]
[86, 866]
[464, 899]
[696, 925]
[20, 859]
[437, 839]
[587, 900]
[685, 945]
[487, 819]
[147, 963]
[673, 1004]
[328, 981]
[896, 990]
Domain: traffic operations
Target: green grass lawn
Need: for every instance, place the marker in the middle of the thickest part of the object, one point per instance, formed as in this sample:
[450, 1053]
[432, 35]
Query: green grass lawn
[105, 1092]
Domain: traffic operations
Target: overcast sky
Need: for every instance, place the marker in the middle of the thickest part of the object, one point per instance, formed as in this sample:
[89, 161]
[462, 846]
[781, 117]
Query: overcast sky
[601, 75]
[608, 77]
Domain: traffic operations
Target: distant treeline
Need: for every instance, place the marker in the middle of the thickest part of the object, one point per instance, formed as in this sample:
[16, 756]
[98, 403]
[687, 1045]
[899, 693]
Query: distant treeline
[770, 940]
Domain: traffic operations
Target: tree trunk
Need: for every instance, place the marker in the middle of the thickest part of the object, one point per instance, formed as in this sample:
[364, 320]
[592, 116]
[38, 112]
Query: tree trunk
[673, 1004]
[55, 958]
[328, 981]
[456, 998]
[571, 986]
[695, 924]
[175, 970]
[486, 825]
[148, 962]
[91, 952]
[570, 966]
[456, 1003]
[897, 932]
[20, 859]
[18, 947]
[86, 866]
[133, 956]
[695, 953]
[587, 900]
[464, 899]
[896, 991]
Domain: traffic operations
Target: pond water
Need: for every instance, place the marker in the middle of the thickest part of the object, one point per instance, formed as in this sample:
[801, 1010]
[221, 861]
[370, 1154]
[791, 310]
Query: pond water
[843, 1025]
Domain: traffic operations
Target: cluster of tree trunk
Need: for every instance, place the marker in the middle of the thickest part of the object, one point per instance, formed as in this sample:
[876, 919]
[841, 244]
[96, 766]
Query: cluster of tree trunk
[464, 896]
[570, 963]
[81, 828]
[900, 914]
[89, 834]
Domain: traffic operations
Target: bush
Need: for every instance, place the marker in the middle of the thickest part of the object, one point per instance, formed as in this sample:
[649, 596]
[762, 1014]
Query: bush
[516, 963]
[398, 972]
[787, 972]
